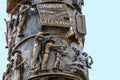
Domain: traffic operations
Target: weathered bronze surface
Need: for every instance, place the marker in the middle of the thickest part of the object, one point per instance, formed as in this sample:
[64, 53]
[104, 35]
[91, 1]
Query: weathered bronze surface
[80, 22]
[12, 5]
[45, 40]
[54, 14]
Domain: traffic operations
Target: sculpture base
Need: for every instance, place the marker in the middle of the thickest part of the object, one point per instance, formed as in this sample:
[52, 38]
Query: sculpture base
[54, 76]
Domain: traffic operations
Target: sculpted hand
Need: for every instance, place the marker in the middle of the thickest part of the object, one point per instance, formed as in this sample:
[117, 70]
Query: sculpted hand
[64, 47]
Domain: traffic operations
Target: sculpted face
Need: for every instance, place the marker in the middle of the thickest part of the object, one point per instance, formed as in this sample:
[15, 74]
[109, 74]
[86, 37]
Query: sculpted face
[16, 54]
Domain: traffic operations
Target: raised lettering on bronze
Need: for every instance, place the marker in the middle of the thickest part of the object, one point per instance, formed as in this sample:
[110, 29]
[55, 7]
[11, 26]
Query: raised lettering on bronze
[55, 22]
[51, 6]
[54, 14]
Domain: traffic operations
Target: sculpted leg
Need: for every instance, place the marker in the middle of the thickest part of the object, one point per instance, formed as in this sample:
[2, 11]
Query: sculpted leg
[57, 60]
[35, 55]
[18, 74]
[44, 62]
[21, 26]
[34, 59]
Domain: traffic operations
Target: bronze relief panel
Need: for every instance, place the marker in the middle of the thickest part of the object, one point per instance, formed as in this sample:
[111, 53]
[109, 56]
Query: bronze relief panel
[80, 23]
[54, 14]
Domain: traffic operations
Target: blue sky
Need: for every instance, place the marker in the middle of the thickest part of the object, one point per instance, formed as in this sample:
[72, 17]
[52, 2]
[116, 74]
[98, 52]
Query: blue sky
[102, 39]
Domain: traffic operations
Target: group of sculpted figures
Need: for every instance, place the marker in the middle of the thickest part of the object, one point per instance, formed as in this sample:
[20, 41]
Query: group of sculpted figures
[48, 46]
[15, 65]
[81, 59]
[16, 25]
[43, 46]
[80, 62]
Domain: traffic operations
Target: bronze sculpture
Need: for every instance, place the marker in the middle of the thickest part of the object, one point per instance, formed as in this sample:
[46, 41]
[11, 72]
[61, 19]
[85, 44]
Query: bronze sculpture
[9, 36]
[37, 48]
[15, 29]
[45, 40]
[17, 67]
[22, 12]
[49, 44]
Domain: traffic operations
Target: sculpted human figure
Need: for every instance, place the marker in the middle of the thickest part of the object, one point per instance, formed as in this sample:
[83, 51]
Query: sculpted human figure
[8, 70]
[50, 44]
[17, 66]
[57, 60]
[37, 48]
[72, 37]
[9, 35]
[77, 48]
[22, 12]
[9, 25]
[83, 61]
[75, 42]
[14, 32]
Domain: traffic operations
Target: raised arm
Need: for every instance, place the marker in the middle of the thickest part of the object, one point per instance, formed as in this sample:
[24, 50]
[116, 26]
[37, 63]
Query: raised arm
[23, 8]
[57, 46]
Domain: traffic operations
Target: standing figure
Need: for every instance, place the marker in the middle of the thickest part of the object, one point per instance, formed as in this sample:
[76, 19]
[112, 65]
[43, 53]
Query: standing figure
[14, 32]
[8, 71]
[57, 60]
[9, 35]
[72, 37]
[22, 11]
[83, 61]
[48, 46]
[75, 42]
[77, 48]
[17, 66]
[37, 48]
[58, 53]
